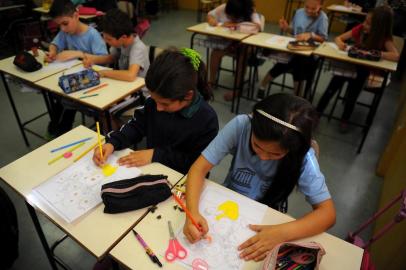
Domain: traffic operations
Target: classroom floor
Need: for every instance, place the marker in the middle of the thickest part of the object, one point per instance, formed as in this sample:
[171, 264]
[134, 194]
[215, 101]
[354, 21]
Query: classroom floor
[350, 177]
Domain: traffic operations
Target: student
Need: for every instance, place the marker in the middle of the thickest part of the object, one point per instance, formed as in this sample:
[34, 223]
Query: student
[73, 41]
[229, 15]
[177, 121]
[309, 23]
[374, 34]
[273, 146]
[127, 52]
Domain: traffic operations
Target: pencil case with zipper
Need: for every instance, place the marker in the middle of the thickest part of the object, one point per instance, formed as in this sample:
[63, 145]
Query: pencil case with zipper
[135, 193]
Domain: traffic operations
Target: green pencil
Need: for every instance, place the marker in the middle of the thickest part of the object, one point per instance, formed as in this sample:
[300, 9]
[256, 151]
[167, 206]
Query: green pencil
[89, 96]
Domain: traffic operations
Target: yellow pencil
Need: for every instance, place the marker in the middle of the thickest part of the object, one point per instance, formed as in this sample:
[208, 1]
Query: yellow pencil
[99, 141]
[87, 151]
[61, 155]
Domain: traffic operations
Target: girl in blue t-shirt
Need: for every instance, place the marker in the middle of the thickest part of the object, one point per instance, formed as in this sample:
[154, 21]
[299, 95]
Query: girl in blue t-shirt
[274, 146]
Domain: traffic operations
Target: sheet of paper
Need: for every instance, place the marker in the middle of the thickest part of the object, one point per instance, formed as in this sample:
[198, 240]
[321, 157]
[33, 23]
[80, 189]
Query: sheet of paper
[279, 41]
[343, 8]
[334, 46]
[228, 216]
[76, 190]
[57, 65]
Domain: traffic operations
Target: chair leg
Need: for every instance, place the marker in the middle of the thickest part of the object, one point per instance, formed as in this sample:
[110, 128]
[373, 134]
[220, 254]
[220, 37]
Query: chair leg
[283, 81]
[334, 104]
[83, 119]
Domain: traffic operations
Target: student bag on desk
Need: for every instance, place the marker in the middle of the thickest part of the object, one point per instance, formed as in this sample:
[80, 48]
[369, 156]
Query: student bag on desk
[136, 193]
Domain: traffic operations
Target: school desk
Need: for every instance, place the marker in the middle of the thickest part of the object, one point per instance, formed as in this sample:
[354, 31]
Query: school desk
[115, 92]
[29, 78]
[339, 254]
[220, 32]
[329, 51]
[333, 10]
[275, 43]
[95, 231]
[45, 12]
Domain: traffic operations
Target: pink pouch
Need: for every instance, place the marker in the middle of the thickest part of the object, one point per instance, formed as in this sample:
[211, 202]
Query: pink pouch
[291, 255]
[248, 28]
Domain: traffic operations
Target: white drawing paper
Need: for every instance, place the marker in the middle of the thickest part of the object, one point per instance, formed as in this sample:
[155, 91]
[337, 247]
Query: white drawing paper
[227, 234]
[58, 65]
[76, 190]
[279, 41]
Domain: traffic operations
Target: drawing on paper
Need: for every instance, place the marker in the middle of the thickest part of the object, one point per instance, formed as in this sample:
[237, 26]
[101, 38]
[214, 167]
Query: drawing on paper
[228, 216]
[74, 191]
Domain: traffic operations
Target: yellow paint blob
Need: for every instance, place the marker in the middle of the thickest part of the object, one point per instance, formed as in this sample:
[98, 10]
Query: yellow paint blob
[230, 210]
[108, 170]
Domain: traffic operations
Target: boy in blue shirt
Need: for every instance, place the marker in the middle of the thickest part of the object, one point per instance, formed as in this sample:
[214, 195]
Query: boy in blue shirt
[309, 23]
[73, 41]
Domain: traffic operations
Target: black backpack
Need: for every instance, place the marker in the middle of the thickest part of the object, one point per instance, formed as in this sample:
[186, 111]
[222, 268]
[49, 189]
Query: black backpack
[8, 231]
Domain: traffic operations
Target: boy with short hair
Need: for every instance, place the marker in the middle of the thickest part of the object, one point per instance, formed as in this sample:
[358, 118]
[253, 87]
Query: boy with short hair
[128, 53]
[73, 41]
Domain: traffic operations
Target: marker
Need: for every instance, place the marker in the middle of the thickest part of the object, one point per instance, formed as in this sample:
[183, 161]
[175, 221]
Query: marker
[82, 97]
[149, 251]
[71, 144]
[187, 212]
[96, 88]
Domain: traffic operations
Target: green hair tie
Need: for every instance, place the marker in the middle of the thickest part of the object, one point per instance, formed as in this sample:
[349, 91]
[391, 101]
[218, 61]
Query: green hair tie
[194, 57]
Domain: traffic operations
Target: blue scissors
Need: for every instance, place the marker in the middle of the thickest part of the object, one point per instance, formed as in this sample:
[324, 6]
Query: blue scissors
[174, 250]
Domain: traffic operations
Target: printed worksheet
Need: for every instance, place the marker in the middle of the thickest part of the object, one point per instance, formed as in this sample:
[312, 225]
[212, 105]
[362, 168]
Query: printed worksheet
[58, 65]
[279, 41]
[76, 190]
[228, 216]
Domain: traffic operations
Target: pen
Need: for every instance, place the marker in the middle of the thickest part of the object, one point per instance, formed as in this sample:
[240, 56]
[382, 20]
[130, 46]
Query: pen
[149, 252]
[82, 97]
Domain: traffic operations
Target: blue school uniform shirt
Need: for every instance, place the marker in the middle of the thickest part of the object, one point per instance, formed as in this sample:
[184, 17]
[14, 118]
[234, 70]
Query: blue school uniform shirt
[302, 23]
[89, 42]
[251, 176]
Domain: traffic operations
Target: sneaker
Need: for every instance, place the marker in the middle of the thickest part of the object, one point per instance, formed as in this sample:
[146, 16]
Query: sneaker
[260, 94]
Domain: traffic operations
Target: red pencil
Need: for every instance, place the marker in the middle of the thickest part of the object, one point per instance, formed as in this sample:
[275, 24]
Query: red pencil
[96, 88]
[179, 201]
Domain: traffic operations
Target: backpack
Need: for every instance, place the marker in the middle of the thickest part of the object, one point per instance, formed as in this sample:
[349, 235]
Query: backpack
[8, 231]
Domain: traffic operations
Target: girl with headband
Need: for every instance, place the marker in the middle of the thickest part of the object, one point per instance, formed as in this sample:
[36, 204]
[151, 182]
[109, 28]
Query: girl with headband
[272, 154]
[176, 120]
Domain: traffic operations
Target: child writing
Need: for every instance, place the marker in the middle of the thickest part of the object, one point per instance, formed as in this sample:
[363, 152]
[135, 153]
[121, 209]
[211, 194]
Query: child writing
[374, 34]
[73, 41]
[309, 23]
[176, 120]
[229, 15]
[274, 145]
[127, 52]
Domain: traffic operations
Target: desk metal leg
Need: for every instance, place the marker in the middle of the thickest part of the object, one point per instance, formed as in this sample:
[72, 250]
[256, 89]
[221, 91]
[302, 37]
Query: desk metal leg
[239, 85]
[331, 19]
[41, 235]
[318, 71]
[10, 98]
[192, 39]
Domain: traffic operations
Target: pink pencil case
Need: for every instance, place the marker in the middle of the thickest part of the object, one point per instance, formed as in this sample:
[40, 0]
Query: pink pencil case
[287, 256]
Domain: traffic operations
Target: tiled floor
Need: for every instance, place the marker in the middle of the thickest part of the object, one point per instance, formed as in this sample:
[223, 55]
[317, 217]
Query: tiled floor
[350, 177]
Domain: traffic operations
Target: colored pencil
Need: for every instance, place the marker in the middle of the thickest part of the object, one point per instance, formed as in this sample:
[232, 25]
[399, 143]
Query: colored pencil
[70, 144]
[96, 88]
[99, 140]
[87, 151]
[82, 97]
[61, 155]
[179, 201]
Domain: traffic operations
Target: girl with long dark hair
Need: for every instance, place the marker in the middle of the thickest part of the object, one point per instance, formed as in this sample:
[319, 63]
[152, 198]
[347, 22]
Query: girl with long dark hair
[271, 155]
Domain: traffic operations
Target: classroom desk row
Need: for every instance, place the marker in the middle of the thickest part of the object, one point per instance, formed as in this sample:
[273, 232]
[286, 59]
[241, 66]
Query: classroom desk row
[46, 80]
[101, 234]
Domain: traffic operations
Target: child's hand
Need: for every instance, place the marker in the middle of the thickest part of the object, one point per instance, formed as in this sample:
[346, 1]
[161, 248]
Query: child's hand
[102, 73]
[283, 24]
[230, 24]
[87, 61]
[211, 21]
[49, 57]
[190, 230]
[107, 149]
[137, 158]
[257, 247]
[342, 46]
[303, 37]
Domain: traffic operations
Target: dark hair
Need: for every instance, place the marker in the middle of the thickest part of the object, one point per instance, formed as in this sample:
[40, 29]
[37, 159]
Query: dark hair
[298, 112]
[62, 8]
[172, 75]
[117, 23]
[381, 28]
[240, 10]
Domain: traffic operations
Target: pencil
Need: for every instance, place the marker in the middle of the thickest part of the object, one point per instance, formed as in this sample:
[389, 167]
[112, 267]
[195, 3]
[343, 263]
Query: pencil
[70, 144]
[96, 88]
[87, 151]
[61, 155]
[99, 141]
[179, 201]
[82, 97]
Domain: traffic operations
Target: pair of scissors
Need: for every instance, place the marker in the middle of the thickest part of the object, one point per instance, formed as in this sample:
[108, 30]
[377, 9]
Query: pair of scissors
[174, 250]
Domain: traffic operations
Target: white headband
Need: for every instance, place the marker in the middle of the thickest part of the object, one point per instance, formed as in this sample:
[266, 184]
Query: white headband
[279, 121]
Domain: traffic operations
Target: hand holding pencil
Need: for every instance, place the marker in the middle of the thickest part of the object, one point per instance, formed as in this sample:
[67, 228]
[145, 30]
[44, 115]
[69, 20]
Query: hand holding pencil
[107, 150]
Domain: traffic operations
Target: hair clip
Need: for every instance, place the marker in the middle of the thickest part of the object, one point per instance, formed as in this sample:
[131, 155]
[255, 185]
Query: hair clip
[277, 120]
[194, 57]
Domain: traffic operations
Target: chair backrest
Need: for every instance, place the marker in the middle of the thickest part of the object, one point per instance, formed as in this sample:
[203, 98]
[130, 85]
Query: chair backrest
[399, 42]
[154, 52]
[262, 19]
[126, 7]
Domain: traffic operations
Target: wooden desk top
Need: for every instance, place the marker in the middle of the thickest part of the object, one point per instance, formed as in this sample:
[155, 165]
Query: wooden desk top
[345, 10]
[7, 66]
[339, 254]
[46, 11]
[218, 31]
[109, 95]
[328, 50]
[95, 231]
[274, 42]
